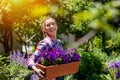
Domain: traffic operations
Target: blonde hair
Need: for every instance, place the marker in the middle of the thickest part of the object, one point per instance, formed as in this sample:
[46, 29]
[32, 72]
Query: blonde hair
[43, 24]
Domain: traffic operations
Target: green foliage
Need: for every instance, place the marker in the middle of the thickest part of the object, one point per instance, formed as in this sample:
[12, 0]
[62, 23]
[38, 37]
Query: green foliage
[100, 54]
[18, 66]
[91, 66]
[111, 75]
[94, 77]
[18, 71]
[4, 70]
[26, 32]
[72, 7]
[69, 77]
[75, 5]
[97, 42]
[114, 57]
[113, 44]
[99, 17]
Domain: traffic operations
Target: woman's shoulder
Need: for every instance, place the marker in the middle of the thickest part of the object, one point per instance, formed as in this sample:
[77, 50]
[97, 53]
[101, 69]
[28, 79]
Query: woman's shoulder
[42, 44]
[45, 41]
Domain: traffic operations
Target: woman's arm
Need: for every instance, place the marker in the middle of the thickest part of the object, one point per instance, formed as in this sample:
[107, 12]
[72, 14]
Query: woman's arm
[31, 60]
[32, 65]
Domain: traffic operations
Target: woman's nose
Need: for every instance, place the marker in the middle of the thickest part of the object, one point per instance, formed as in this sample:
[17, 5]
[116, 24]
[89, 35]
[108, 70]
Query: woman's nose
[51, 25]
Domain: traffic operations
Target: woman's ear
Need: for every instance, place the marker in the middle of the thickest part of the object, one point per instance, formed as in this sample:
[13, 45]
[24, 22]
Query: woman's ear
[44, 30]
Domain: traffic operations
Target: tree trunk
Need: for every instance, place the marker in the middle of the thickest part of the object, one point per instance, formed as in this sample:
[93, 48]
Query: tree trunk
[8, 40]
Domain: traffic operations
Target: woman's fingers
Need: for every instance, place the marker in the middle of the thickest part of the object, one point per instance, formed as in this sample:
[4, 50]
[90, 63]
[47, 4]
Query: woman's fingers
[41, 73]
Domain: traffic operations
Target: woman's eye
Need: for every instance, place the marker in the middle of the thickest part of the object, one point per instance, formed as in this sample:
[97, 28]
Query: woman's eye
[48, 25]
[52, 23]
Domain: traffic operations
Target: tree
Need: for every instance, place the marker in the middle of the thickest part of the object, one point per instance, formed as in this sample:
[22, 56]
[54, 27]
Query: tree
[18, 16]
[6, 26]
[98, 18]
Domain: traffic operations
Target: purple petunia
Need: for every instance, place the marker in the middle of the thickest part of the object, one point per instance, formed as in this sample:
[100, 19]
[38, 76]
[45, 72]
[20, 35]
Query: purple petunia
[58, 57]
[115, 65]
[117, 74]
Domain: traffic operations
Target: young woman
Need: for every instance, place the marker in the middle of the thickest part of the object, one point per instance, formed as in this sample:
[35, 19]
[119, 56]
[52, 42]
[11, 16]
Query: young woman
[49, 28]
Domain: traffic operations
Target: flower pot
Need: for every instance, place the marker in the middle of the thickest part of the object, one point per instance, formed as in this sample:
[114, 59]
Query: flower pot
[54, 71]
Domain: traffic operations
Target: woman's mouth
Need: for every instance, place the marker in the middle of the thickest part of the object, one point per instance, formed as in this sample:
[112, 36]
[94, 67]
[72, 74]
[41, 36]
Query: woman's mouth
[52, 30]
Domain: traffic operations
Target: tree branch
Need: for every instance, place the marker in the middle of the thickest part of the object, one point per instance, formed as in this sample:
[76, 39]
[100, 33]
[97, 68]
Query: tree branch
[31, 38]
[84, 39]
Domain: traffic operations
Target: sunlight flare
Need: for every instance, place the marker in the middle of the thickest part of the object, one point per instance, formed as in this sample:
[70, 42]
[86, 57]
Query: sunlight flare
[39, 10]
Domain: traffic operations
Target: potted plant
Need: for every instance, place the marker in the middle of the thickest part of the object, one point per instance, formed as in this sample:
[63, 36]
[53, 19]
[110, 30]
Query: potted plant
[58, 62]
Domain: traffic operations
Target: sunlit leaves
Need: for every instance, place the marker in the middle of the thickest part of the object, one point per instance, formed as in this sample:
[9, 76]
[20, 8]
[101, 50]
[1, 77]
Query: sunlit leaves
[116, 39]
[39, 10]
[82, 17]
[73, 9]
[97, 42]
[27, 31]
[75, 5]
[111, 10]
[62, 12]
[97, 17]
[5, 7]
[54, 8]
[18, 3]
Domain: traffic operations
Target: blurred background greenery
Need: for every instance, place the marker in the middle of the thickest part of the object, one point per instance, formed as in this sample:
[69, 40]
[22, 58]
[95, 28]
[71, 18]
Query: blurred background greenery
[95, 25]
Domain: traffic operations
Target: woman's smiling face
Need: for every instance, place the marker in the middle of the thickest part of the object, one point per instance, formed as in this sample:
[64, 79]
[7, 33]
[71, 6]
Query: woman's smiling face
[50, 27]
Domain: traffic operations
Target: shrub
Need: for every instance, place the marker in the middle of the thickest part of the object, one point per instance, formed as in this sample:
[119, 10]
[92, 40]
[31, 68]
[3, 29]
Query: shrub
[18, 66]
[91, 66]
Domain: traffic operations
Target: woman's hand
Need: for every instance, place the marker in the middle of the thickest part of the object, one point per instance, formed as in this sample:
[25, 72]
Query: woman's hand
[38, 71]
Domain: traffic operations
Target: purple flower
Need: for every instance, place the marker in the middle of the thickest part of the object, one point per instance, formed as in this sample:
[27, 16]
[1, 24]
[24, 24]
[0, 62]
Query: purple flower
[117, 74]
[18, 57]
[57, 56]
[116, 66]
[111, 64]
[34, 77]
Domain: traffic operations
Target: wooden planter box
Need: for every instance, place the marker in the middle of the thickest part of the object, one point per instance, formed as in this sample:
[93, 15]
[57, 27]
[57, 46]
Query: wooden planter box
[54, 71]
